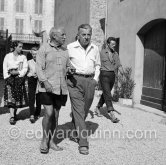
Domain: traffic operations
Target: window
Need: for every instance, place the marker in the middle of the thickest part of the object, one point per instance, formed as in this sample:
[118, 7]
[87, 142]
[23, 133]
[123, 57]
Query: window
[38, 26]
[20, 6]
[38, 6]
[1, 23]
[19, 26]
[2, 5]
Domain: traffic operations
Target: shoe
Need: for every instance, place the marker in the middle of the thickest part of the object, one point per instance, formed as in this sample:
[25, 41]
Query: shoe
[112, 117]
[36, 117]
[97, 112]
[83, 150]
[55, 147]
[76, 140]
[32, 119]
[44, 149]
[12, 120]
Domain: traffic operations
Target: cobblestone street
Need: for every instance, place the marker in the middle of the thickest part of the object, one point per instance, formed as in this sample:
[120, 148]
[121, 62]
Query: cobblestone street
[139, 139]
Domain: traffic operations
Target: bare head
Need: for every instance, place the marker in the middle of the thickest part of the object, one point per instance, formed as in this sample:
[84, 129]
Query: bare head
[17, 46]
[57, 35]
[111, 42]
[84, 35]
[34, 52]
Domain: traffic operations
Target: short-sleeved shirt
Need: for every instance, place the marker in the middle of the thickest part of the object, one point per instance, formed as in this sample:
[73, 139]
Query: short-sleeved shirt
[109, 60]
[85, 61]
[51, 66]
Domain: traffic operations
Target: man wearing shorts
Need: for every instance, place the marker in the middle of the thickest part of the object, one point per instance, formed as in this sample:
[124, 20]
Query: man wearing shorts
[52, 65]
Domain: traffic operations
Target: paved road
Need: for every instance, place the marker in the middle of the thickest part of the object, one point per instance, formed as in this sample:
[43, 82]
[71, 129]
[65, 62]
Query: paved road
[139, 139]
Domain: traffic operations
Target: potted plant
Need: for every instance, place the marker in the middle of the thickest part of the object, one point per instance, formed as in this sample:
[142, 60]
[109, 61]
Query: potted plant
[124, 87]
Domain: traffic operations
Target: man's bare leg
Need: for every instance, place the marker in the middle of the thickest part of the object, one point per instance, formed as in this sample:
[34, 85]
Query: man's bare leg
[46, 124]
[53, 145]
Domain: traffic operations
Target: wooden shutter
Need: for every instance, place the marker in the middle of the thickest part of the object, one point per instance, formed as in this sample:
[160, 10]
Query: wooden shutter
[40, 26]
[21, 6]
[2, 5]
[21, 25]
[17, 25]
[41, 7]
[36, 6]
[17, 5]
[1, 23]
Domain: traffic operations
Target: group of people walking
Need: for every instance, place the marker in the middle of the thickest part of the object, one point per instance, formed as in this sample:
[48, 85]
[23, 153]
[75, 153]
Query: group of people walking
[58, 70]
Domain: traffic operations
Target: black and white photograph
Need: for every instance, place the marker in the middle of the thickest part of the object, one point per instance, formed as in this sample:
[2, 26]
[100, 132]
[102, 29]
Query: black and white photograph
[83, 82]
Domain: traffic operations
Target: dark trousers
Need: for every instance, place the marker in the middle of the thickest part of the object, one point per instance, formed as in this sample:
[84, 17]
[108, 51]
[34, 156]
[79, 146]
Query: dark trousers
[107, 80]
[32, 84]
[81, 91]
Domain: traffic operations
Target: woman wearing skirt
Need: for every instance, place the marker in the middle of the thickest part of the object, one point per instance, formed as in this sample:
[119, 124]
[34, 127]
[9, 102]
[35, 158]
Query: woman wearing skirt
[14, 70]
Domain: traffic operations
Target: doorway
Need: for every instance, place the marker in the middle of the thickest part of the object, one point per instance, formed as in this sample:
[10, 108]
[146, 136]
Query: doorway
[154, 71]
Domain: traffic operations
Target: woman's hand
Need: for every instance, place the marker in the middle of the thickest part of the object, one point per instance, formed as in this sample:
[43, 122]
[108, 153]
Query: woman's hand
[14, 72]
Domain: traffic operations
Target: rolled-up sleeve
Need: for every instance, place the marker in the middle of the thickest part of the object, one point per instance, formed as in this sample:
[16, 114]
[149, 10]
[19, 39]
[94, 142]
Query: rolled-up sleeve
[117, 61]
[97, 64]
[24, 69]
[41, 64]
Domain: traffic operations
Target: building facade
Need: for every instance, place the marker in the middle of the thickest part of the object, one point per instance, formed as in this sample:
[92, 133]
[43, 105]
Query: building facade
[19, 19]
[22, 17]
[141, 29]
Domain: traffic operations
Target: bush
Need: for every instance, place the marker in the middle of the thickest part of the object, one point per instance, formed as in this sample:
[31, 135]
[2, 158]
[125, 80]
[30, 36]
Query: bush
[124, 85]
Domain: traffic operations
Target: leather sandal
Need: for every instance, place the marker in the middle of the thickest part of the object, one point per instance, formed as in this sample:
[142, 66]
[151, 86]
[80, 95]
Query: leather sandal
[12, 120]
[44, 150]
[32, 119]
[83, 150]
[76, 140]
[97, 112]
[56, 148]
[112, 117]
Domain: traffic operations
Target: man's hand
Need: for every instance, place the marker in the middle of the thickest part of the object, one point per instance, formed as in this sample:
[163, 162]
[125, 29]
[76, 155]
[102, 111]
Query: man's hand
[71, 71]
[95, 82]
[48, 86]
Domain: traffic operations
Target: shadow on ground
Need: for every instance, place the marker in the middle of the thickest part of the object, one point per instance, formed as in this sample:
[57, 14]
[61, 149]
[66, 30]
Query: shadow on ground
[104, 112]
[25, 114]
[3, 110]
[64, 130]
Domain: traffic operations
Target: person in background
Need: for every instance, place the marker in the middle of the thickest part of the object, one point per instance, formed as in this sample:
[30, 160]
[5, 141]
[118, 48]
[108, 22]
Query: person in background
[52, 66]
[110, 63]
[85, 58]
[15, 67]
[32, 84]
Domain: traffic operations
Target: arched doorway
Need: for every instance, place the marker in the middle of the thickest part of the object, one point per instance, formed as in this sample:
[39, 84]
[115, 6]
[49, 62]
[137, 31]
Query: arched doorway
[153, 36]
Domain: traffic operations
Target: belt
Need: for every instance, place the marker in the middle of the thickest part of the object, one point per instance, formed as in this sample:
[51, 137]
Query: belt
[84, 75]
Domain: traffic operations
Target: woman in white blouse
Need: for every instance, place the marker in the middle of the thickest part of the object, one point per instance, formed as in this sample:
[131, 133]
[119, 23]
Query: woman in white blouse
[14, 70]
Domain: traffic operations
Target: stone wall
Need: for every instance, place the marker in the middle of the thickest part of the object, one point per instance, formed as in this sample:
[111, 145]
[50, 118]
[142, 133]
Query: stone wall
[97, 15]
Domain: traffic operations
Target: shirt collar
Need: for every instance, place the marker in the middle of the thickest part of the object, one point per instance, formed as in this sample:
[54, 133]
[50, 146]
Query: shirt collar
[56, 47]
[52, 45]
[107, 50]
[77, 44]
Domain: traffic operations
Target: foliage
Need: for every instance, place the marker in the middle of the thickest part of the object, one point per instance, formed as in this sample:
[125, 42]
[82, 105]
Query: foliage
[124, 85]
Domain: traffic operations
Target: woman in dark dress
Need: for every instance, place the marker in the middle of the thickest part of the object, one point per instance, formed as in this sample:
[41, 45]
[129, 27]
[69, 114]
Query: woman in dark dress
[14, 70]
